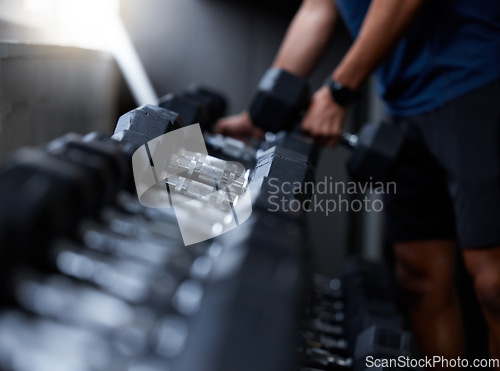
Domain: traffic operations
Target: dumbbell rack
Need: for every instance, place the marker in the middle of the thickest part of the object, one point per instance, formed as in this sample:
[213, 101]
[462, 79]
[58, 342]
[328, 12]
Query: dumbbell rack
[355, 319]
[93, 280]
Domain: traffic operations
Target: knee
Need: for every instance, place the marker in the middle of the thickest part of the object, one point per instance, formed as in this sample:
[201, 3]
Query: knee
[409, 281]
[427, 270]
[428, 281]
[487, 286]
[484, 268]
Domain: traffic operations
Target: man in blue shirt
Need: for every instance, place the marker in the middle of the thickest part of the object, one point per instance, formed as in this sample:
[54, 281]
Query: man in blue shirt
[438, 67]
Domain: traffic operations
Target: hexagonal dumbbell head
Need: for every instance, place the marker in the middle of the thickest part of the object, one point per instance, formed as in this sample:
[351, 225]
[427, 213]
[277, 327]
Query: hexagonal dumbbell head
[279, 100]
[375, 152]
[191, 111]
[131, 140]
[213, 102]
[151, 121]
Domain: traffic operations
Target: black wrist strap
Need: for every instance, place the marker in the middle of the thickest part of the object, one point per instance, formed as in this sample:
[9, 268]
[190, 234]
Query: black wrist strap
[341, 94]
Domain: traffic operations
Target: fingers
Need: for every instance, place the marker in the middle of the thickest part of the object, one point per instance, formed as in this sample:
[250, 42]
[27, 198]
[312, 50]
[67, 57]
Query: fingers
[332, 142]
[324, 118]
[324, 130]
[238, 126]
[325, 136]
[222, 126]
[257, 133]
[324, 123]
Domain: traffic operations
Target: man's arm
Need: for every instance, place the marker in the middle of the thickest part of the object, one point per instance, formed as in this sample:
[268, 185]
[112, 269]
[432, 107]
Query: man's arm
[305, 42]
[307, 37]
[385, 23]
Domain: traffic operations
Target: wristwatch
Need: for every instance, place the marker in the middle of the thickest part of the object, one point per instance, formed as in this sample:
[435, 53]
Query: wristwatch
[341, 94]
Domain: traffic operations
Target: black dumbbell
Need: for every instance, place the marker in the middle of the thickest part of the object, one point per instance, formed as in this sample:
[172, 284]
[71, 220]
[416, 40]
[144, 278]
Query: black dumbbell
[327, 285]
[141, 125]
[275, 180]
[191, 111]
[46, 193]
[213, 102]
[278, 103]
[73, 302]
[337, 345]
[315, 311]
[231, 149]
[370, 287]
[323, 327]
[196, 105]
[380, 342]
[280, 100]
[375, 151]
[363, 321]
[42, 196]
[148, 121]
[128, 279]
[44, 344]
[265, 198]
[123, 145]
[325, 360]
[102, 159]
[370, 297]
[294, 141]
[284, 165]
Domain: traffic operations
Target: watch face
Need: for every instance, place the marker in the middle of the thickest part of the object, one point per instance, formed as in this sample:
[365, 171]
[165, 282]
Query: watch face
[342, 94]
[337, 85]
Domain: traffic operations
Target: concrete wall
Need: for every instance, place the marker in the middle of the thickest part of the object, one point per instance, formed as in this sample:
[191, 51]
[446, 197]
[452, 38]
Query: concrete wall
[47, 91]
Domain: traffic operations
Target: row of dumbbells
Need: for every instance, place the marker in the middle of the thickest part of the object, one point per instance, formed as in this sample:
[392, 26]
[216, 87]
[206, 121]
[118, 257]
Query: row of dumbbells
[87, 172]
[93, 280]
[353, 321]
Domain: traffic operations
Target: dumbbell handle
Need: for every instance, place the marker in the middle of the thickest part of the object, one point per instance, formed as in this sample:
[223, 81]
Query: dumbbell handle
[348, 139]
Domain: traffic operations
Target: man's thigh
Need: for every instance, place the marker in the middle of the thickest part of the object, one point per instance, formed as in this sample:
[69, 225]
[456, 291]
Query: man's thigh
[464, 137]
[448, 174]
[421, 208]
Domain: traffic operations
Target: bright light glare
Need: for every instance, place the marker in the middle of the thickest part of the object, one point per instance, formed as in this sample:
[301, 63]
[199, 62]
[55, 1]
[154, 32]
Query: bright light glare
[95, 24]
[38, 6]
[87, 22]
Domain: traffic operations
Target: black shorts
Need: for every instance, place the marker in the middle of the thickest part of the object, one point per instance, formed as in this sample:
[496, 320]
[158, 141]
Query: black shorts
[448, 173]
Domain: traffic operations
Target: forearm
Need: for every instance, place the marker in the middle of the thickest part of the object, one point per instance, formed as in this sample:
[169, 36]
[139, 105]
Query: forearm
[383, 27]
[307, 37]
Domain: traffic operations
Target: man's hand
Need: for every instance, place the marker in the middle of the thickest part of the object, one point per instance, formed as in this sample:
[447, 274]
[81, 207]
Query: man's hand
[324, 118]
[238, 126]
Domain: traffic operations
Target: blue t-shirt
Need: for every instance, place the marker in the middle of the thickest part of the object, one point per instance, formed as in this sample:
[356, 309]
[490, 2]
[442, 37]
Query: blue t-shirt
[452, 47]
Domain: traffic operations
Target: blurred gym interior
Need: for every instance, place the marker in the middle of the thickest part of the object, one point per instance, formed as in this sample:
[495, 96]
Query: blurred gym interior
[308, 292]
